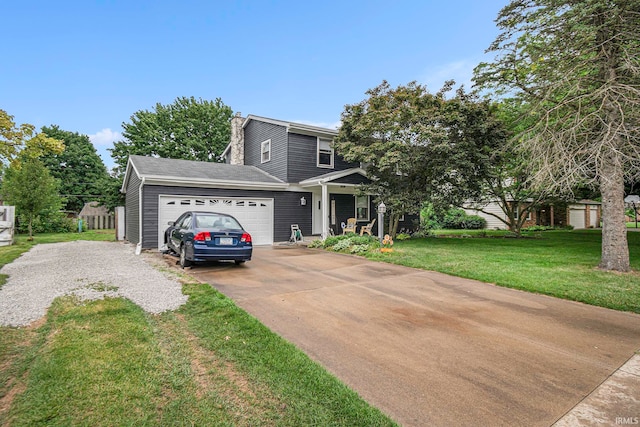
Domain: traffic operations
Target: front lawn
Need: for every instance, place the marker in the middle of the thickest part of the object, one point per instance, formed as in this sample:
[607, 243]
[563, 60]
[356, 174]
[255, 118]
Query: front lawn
[108, 363]
[557, 263]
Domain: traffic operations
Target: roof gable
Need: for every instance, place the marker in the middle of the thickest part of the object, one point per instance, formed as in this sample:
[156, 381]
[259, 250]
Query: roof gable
[293, 127]
[335, 177]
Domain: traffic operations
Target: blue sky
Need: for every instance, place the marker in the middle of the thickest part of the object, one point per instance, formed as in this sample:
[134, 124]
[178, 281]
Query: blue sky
[87, 66]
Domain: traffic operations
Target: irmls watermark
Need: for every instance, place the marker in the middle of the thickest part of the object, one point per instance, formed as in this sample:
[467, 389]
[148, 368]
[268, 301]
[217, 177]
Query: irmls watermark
[627, 421]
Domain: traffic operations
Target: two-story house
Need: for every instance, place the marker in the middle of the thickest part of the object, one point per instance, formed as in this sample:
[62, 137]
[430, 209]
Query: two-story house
[276, 174]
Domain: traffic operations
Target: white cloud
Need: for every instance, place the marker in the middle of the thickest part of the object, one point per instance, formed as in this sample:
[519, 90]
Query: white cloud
[104, 137]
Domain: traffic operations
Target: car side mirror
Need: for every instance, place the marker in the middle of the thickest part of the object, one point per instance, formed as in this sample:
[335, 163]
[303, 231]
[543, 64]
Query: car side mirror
[171, 223]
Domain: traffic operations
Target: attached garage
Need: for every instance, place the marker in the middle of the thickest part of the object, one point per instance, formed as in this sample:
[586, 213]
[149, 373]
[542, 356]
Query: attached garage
[255, 214]
[160, 190]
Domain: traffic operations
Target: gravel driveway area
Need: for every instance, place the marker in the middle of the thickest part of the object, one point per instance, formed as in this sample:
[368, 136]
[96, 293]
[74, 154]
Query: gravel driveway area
[89, 270]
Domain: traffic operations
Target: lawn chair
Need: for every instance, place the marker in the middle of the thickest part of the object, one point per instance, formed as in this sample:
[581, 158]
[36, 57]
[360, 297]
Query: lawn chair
[296, 234]
[350, 226]
[367, 228]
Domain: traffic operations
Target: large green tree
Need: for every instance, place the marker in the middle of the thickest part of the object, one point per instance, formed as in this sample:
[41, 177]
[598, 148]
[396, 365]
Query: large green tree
[507, 179]
[421, 146]
[22, 141]
[190, 129]
[31, 189]
[576, 65]
[79, 168]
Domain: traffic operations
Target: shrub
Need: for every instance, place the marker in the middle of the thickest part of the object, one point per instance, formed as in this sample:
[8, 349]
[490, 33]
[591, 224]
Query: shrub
[316, 244]
[363, 240]
[332, 240]
[403, 236]
[359, 249]
[474, 222]
[453, 219]
[341, 245]
[48, 222]
[458, 219]
[422, 233]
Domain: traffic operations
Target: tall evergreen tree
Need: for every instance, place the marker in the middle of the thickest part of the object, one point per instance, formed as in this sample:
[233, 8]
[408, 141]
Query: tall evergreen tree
[576, 65]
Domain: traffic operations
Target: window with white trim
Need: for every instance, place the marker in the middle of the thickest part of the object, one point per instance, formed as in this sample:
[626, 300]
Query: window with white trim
[362, 208]
[325, 153]
[265, 151]
[518, 213]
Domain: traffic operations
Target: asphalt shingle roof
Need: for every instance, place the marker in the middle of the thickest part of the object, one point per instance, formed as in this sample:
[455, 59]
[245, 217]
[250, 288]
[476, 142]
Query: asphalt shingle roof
[196, 170]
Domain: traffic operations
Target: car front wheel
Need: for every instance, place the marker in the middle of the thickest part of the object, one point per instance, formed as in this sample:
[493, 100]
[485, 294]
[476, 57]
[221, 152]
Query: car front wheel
[184, 262]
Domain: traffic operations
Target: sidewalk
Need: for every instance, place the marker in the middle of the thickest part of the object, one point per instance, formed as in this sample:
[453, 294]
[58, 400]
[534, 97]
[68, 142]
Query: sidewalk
[615, 402]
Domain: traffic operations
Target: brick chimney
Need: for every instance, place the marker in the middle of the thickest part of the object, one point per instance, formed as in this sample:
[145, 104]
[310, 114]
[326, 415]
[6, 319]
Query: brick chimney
[237, 140]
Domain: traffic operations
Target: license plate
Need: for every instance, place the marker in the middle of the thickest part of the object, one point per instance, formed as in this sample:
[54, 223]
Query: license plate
[226, 240]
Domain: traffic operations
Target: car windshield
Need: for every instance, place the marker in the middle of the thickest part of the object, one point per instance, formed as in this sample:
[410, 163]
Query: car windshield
[217, 222]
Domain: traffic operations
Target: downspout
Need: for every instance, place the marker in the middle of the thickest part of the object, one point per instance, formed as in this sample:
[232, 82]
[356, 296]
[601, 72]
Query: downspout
[139, 245]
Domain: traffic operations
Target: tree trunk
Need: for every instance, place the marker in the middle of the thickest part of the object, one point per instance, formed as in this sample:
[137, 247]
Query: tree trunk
[615, 250]
[30, 228]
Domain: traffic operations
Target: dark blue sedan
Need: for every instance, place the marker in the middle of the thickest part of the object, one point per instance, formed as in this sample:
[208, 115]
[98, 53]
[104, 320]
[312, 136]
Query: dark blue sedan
[208, 236]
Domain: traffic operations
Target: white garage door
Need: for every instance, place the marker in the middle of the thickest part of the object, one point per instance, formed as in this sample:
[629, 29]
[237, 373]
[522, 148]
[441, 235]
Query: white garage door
[576, 218]
[255, 215]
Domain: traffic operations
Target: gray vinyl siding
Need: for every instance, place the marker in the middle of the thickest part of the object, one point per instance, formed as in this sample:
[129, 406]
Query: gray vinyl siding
[254, 134]
[132, 208]
[286, 211]
[303, 159]
[346, 208]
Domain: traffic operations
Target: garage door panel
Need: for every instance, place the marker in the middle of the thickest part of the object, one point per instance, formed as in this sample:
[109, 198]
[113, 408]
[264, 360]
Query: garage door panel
[255, 215]
[576, 218]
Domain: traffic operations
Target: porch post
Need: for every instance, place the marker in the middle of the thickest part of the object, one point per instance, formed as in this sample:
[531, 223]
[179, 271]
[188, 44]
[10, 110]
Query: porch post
[325, 211]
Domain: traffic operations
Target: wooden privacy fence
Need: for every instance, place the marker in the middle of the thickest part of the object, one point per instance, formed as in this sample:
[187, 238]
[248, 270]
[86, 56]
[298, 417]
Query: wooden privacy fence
[98, 222]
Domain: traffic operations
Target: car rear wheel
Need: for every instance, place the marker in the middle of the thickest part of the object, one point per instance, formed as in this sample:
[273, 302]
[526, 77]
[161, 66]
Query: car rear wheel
[184, 262]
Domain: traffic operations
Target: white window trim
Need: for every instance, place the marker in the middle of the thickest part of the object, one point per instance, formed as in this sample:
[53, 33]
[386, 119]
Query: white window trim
[262, 151]
[368, 208]
[318, 164]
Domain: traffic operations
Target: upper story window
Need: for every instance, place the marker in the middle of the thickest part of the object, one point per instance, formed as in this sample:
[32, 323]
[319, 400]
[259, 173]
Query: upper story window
[265, 151]
[325, 153]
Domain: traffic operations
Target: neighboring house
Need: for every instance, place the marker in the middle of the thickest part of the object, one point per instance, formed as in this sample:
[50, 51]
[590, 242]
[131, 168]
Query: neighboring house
[580, 214]
[96, 216]
[276, 174]
[93, 209]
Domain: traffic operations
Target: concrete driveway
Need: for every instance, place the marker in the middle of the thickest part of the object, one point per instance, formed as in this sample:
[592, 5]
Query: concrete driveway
[431, 349]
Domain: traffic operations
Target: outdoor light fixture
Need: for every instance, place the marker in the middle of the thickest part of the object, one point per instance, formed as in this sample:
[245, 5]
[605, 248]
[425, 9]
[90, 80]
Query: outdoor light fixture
[303, 201]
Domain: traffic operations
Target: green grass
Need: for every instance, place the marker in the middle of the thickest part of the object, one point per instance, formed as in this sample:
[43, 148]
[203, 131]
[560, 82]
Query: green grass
[108, 363]
[562, 264]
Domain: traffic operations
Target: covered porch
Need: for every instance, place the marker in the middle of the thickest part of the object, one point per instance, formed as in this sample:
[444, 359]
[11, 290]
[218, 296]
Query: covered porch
[335, 198]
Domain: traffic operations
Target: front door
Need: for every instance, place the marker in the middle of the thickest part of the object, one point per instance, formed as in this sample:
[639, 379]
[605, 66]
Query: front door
[316, 215]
